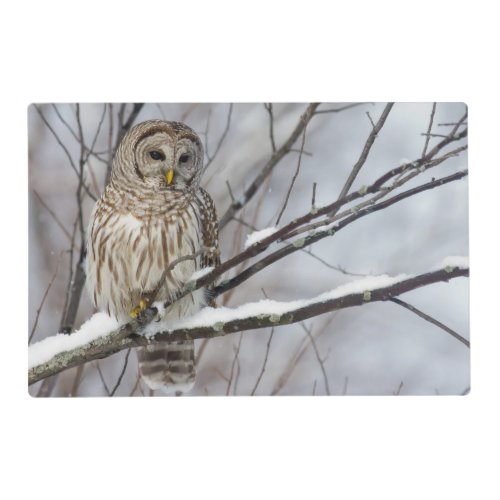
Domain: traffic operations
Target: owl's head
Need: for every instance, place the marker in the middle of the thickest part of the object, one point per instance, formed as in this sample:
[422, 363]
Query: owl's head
[160, 155]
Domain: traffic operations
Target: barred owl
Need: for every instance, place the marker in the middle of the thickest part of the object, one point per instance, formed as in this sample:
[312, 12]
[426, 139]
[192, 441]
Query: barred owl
[152, 212]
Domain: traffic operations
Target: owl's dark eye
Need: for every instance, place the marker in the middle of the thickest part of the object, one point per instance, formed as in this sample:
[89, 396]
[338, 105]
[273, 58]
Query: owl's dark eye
[184, 158]
[157, 155]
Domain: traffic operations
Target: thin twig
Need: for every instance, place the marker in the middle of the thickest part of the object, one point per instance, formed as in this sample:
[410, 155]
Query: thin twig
[93, 179]
[96, 135]
[44, 297]
[433, 135]
[313, 201]
[101, 376]
[64, 122]
[432, 320]
[151, 297]
[452, 124]
[81, 164]
[236, 353]
[269, 109]
[119, 381]
[318, 357]
[58, 140]
[429, 129]
[459, 124]
[230, 191]
[331, 266]
[206, 131]
[223, 136]
[71, 252]
[294, 360]
[344, 388]
[370, 118]
[53, 214]
[305, 153]
[397, 392]
[237, 376]
[338, 110]
[294, 178]
[366, 150]
[268, 346]
[220, 374]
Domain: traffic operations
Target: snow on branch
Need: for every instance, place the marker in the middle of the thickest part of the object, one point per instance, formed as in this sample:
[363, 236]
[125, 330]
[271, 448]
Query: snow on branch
[257, 236]
[101, 336]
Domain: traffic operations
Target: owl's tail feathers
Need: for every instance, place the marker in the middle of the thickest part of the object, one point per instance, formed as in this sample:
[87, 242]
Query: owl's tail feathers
[168, 366]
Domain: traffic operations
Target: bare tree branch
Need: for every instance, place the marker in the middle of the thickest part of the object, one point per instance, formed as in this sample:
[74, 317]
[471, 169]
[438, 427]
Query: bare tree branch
[318, 357]
[268, 346]
[269, 109]
[294, 178]
[65, 149]
[101, 376]
[44, 297]
[338, 110]
[429, 129]
[221, 140]
[54, 216]
[268, 167]
[235, 360]
[366, 150]
[432, 320]
[119, 381]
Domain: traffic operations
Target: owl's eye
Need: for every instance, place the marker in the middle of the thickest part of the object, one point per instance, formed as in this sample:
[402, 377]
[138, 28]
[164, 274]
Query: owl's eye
[157, 155]
[184, 158]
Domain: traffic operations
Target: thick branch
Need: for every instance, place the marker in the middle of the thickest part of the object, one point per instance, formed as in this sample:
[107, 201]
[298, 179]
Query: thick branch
[126, 337]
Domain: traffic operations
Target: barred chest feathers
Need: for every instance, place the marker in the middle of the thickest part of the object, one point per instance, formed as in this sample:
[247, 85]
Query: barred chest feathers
[130, 251]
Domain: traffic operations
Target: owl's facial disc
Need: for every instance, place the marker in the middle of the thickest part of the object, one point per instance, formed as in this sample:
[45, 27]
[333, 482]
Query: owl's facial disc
[169, 161]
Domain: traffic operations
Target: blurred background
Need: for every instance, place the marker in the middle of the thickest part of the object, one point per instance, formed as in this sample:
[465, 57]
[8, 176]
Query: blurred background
[376, 349]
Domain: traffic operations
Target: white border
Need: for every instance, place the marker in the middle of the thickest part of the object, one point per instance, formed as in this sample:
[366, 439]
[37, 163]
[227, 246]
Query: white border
[422, 447]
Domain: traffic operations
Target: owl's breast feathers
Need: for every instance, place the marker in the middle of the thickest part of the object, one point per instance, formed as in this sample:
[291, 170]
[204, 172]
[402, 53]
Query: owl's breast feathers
[133, 238]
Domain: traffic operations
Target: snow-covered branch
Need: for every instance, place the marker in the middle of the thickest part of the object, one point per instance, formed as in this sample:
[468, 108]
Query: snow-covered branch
[101, 336]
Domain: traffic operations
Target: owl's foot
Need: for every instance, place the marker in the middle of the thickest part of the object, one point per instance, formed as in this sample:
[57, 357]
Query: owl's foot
[143, 304]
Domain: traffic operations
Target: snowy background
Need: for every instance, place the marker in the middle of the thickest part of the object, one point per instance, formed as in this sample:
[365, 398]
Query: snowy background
[375, 349]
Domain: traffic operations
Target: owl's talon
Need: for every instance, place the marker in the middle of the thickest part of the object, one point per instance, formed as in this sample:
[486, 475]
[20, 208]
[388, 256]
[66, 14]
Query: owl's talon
[143, 304]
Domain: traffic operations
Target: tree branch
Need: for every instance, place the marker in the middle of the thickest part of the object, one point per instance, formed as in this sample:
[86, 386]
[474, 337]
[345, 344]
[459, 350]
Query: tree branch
[366, 150]
[127, 336]
[268, 167]
[305, 241]
[432, 320]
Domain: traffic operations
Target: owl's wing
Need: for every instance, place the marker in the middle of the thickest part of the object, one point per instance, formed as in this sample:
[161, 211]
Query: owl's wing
[210, 236]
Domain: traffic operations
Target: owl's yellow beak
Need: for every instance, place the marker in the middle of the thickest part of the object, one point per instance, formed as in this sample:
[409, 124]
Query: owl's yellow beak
[170, 175]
